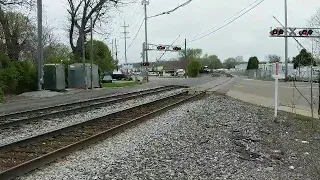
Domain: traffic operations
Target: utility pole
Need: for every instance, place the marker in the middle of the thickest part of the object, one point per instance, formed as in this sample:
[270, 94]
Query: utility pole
[91, 54]
[116, 47]
[185, 49]
[125, 40]
[185, 55]
[112, 51]
[84, 60]
[40, 46]
[286, 39]
[143, 54]
[145, 3]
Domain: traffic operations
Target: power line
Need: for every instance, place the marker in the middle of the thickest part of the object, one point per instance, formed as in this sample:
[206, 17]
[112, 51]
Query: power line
[168, 12]
[228, 18]
[125, 39]
[136, 35]
[227, 23]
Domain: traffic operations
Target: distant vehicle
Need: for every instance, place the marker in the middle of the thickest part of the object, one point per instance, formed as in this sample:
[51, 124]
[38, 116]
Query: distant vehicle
[204, 69]
[180, 72]
[118, 75]
[107, 79]
[153, 73]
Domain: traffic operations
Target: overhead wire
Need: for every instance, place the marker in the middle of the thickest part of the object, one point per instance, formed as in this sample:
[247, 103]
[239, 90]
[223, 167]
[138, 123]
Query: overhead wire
[168, 12]
[135, 37]
[227, 18]
[242, 14]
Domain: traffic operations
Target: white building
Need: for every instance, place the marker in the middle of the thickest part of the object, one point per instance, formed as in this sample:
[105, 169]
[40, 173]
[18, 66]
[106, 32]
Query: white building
[271, 68]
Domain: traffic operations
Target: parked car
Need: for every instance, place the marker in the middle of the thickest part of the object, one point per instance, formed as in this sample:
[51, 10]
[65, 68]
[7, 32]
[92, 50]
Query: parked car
[107, 79]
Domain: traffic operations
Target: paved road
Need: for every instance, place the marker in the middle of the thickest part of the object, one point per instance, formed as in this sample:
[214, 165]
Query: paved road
[287, 93]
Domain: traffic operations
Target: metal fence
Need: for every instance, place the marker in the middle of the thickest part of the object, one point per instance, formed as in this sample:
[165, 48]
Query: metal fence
[254, 74]
[269, 75]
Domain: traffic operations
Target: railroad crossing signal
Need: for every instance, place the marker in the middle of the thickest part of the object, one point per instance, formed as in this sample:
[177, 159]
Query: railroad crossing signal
[145, 64]
[294, 32]
[177, 48]
[306, 32]
[160, 48]
[277, 32]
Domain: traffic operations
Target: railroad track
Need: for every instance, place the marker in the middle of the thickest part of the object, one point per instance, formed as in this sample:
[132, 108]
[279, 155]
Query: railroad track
[23, 156]
[18, 118]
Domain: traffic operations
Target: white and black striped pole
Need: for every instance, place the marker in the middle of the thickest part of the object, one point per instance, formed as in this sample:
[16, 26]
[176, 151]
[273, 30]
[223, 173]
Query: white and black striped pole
[276, 90]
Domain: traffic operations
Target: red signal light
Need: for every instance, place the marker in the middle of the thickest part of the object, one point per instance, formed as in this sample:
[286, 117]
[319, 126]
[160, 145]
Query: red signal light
[161, 48]
[274, 32]
[304, 32]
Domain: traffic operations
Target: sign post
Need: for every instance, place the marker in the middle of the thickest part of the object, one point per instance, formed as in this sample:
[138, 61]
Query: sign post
[276, 90]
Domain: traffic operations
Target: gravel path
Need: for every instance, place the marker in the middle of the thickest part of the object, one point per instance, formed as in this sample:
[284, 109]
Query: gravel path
[213, 138]
[14, 134]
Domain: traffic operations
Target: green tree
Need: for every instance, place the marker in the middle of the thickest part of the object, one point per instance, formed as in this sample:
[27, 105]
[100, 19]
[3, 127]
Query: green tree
[57, 53]
[194, 67]
[212, 61]
[101, 56]
[191, 53]
[304, 58]
[230, 63]
[253, 63]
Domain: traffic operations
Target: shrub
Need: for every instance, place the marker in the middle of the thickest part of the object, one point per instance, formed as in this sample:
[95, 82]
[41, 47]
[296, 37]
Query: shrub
[9, 79]
[1, 95]
[4, 61]
[193, 68]
[18, 77]
[26, 76]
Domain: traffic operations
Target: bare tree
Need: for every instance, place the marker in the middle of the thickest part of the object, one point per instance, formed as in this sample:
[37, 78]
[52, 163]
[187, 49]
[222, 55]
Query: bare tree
[29, 51]
[272, 58]
[81, 11]
[315, 22]
[14, 26]
[239, 59]
[17, 31]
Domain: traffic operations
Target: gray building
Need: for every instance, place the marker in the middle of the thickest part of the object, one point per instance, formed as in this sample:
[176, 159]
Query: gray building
[77, 75]
[54, 77]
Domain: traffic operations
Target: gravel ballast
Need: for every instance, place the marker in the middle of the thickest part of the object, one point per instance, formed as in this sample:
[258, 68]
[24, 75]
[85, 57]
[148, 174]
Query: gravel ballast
[14, 134]
[213, 138]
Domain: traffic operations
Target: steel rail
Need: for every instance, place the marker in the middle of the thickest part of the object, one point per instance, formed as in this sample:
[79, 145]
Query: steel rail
[26, 155]
[9, 121]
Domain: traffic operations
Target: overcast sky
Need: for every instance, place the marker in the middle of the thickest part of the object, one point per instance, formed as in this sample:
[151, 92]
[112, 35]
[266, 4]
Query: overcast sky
[247, 36]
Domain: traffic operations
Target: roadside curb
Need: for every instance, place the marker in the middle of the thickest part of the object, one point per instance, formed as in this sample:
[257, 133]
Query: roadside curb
[268, 102]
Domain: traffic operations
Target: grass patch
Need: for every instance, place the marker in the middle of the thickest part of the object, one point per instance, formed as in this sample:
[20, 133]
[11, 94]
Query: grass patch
[306, 122]
[121, 84]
